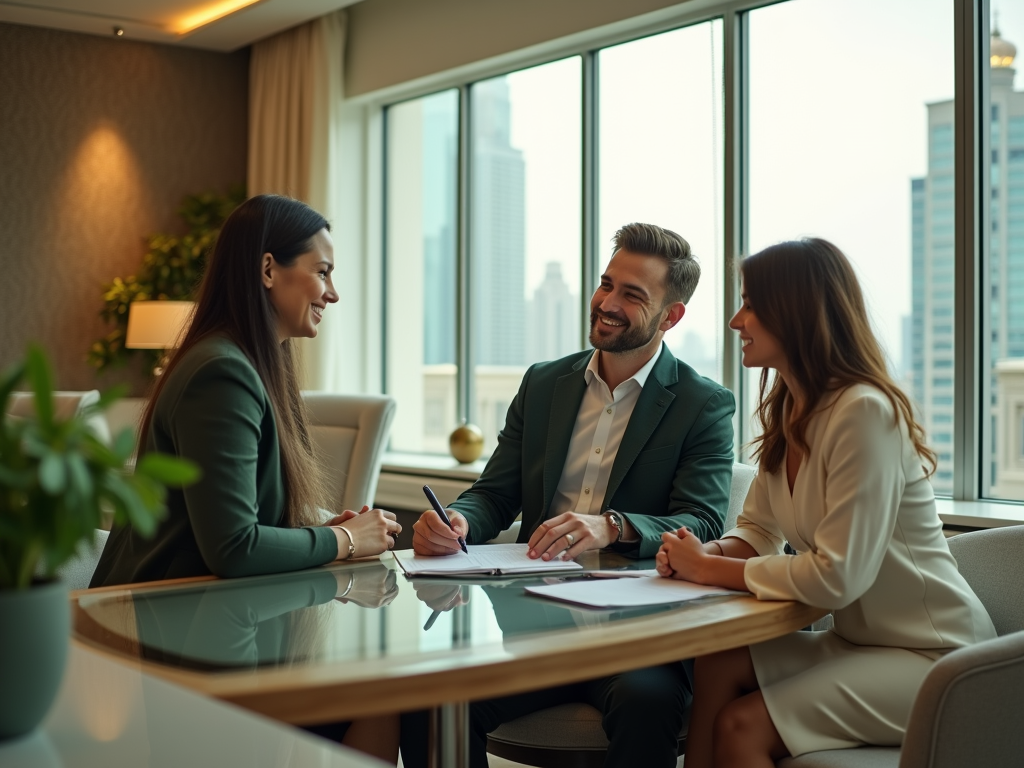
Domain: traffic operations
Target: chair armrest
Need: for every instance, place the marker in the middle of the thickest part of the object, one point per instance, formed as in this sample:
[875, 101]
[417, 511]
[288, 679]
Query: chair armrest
[969, 707]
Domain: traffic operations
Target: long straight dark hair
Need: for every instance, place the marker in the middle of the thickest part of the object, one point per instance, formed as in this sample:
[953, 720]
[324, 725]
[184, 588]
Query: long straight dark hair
[233, 301]
[806, 294]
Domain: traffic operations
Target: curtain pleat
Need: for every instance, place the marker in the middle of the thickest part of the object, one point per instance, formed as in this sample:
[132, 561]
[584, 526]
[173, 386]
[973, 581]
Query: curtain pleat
[295, 95]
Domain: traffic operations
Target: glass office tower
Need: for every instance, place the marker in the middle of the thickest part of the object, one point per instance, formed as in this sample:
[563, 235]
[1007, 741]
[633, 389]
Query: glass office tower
[932, 218]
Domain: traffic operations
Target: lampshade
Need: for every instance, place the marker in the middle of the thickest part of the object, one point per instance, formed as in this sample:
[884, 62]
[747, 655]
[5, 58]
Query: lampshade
[157, 324]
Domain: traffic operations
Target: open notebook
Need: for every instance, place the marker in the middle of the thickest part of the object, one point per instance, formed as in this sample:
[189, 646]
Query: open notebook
[497, 559]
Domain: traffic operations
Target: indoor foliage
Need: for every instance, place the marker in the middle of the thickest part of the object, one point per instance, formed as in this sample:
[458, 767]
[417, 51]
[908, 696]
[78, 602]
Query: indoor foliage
[170, 270]
[57, 479]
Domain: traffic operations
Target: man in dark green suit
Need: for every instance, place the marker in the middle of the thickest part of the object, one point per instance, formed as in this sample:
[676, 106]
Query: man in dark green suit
[608, 449]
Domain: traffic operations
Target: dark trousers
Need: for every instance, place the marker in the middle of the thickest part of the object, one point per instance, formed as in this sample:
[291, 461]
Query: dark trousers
[642, 712]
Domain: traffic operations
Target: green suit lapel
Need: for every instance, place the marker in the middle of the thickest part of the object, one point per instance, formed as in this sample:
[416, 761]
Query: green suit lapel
[565, 404]
[651, 407]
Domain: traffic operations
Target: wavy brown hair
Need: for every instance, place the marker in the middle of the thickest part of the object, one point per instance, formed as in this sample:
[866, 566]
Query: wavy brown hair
[806, 294]
[233, 301]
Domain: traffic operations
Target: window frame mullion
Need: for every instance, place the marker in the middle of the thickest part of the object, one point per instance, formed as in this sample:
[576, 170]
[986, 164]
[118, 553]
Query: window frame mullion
[465, 387]
[736, 206]
[971, 184]
[590, 170]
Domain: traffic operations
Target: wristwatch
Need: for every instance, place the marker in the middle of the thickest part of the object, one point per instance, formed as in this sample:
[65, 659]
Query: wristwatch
[615, 519]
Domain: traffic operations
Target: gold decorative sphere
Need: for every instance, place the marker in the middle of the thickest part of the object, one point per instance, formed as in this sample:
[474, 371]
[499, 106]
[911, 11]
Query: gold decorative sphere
[466, 443]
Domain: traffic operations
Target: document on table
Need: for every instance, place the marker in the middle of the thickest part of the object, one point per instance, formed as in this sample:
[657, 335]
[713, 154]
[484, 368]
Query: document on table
[500, 559]
[628, 593]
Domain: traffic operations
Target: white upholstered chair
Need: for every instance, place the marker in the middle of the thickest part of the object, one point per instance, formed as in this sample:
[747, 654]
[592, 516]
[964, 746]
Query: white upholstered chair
[65, 404]
[571, 735]
[350, 433]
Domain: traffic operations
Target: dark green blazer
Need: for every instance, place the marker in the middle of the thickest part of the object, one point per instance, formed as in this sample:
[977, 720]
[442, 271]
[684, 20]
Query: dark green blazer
[673, 467]
[214, 410]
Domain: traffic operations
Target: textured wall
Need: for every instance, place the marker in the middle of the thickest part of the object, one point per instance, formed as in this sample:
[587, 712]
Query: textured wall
[99, 141]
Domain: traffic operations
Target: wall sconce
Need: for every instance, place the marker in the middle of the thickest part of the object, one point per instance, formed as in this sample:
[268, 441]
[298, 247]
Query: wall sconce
[158, 325]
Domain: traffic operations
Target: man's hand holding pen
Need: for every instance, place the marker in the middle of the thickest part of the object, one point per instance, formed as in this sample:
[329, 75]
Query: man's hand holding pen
[440, 597]
[431, 536]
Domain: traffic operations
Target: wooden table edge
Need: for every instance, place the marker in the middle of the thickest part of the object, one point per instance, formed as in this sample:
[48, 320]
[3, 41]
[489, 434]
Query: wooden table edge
[342, 690]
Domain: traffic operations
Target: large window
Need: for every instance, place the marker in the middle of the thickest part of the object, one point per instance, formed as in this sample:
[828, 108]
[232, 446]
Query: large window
[660, 161]
[851, 139]
[741, 127]
[420, 272]
[524, 260]
[1002, 288]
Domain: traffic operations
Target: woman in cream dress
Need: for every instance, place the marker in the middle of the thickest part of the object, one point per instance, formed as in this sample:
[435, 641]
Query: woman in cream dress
[844, 479]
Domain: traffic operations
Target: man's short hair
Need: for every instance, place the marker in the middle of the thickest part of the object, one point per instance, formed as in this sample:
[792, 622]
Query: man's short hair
[652, 240]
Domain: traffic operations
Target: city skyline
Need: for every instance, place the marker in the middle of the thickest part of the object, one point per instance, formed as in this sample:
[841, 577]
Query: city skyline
[837, 164]
[931, 338]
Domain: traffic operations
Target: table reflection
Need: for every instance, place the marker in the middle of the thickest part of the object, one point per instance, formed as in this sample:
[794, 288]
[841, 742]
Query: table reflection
[245, 623]
[352, 612]
[513, 612]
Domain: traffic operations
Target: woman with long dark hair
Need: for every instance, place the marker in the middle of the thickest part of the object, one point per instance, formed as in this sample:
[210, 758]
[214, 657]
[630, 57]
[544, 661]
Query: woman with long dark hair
[843, 478]
[229, 400]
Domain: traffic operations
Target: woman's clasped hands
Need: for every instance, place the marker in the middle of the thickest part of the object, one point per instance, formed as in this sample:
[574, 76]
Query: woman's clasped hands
[372, 530]
[681, 556]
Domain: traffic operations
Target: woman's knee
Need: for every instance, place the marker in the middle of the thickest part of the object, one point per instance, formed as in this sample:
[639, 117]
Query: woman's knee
[745, 726]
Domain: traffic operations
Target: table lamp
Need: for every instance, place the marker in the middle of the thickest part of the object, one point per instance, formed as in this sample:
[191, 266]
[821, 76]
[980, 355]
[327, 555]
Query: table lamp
[158, 325]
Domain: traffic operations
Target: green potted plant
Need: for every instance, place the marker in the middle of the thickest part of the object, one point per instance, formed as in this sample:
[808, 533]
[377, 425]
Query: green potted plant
[170, 270]
[56, 480]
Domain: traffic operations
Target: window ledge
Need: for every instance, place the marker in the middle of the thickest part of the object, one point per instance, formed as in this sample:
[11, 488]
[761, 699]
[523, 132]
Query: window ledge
[403, 475]
[979, 514]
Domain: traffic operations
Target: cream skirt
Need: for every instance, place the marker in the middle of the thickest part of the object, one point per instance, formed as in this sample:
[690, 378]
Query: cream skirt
[823, 692]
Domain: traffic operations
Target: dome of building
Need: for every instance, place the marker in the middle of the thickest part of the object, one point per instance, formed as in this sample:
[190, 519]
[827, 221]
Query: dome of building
[1002, 51]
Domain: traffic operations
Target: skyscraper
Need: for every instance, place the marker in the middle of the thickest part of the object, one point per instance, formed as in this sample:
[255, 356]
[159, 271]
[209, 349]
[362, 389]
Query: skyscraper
[498, 230]
[439, 177]
[932, 225]
[552, 322]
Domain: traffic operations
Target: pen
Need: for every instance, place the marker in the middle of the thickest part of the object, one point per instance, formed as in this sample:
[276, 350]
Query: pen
[441, 513]
[437, 611]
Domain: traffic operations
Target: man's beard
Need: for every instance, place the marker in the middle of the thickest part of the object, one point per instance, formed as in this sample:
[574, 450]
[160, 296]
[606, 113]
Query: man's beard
[629, 339]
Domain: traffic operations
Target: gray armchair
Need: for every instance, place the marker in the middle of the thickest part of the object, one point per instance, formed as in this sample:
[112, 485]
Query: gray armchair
[968, 711]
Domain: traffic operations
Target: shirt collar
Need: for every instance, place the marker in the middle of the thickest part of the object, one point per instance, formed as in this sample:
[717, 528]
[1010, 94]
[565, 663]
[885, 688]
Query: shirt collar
[640, 377]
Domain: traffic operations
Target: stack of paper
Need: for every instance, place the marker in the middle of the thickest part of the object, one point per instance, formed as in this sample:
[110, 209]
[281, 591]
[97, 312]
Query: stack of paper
[627, 593]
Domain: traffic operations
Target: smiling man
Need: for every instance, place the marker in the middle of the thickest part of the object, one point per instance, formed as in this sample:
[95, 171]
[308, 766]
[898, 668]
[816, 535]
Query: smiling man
[608, 449]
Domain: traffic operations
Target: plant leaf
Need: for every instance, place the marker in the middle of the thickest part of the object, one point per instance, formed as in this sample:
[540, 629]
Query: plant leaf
[53, 475]
[168, 470]
[41, 378]
[109, 397]
[81, 480]
[124, 444]
[8, 381]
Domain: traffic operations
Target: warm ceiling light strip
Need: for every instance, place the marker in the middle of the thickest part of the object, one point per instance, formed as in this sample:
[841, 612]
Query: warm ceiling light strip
[212, 12]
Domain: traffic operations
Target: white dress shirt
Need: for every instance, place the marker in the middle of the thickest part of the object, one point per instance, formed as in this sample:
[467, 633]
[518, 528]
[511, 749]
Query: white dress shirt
[600, 423]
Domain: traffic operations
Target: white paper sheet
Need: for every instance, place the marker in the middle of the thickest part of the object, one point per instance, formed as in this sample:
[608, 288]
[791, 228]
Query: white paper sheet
[627, 593]
[482, 558]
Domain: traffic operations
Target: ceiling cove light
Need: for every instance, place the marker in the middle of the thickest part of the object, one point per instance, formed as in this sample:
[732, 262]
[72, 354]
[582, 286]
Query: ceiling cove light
[193, 20]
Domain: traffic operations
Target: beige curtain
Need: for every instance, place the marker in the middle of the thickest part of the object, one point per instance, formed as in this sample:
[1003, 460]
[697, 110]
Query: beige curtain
[295, 95]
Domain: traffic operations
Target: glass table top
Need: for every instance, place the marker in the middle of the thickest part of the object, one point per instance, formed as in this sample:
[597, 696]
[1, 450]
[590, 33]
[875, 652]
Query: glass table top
[353, 612]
